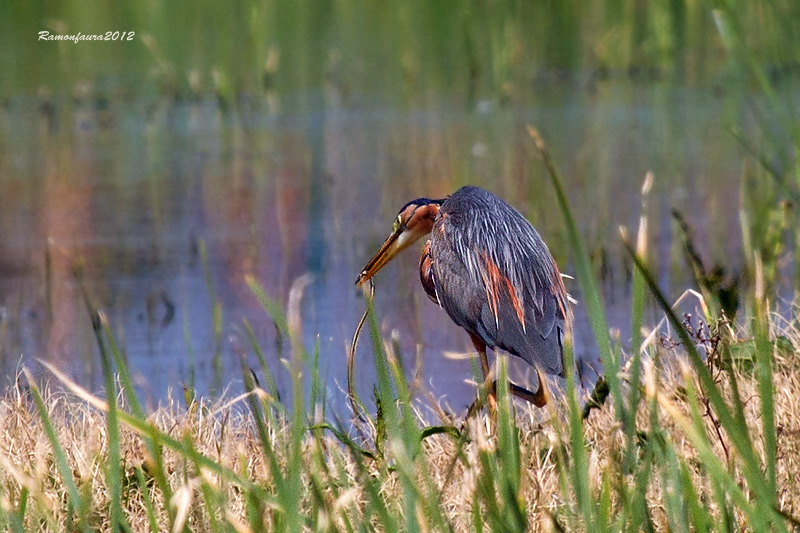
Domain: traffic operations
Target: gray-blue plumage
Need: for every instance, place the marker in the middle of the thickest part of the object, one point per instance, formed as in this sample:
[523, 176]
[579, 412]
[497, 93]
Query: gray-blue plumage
[495, 277]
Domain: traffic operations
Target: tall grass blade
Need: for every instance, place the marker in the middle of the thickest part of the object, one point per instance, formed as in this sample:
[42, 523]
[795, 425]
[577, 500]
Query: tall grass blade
[152, 521]
[698, 517]
[719, 471]
[76, 503]
[730, 422]
[210, 493]
[591, 296]
[263, 436]
[637, 319]
[402, 451]
[579, 463]
[15, 521]
[216, 314]
[113, 467]
[272, 388]
[508, 452]
[764, 374]
[101, 328]
[255, 512]
[289, 488]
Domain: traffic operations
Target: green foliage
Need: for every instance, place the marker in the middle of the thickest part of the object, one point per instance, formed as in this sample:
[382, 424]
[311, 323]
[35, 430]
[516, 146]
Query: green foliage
[314, 463]
[472, 49]
[76, 504]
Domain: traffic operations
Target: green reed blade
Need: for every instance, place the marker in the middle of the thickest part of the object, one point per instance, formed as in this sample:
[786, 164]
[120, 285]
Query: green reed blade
[75, 501]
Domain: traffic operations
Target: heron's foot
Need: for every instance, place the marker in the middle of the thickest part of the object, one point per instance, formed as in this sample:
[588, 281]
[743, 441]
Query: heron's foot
[538, 398]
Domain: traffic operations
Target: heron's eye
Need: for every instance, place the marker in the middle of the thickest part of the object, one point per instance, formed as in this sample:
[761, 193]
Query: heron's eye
[398, 223]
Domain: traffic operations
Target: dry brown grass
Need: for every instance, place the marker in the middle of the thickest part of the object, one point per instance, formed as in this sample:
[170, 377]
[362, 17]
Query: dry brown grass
[226, 434]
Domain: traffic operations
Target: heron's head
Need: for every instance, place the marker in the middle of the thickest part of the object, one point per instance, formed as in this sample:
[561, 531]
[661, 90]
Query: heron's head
[414, 221]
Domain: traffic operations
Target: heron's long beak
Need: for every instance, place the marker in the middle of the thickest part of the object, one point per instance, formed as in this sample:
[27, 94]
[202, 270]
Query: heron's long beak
[395, 243]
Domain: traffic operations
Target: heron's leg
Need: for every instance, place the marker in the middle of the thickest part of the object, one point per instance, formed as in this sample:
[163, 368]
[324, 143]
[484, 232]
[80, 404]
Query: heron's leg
[489, 383]
[480, 346]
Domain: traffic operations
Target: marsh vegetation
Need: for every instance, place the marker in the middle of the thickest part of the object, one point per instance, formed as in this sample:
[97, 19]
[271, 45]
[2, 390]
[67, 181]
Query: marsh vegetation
[161, 198]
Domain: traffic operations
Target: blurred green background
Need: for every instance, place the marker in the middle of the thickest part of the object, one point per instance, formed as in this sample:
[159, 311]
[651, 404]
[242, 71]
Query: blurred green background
[389, 51]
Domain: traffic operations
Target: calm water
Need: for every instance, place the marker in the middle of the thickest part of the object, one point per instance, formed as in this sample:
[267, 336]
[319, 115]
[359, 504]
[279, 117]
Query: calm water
[136, 188]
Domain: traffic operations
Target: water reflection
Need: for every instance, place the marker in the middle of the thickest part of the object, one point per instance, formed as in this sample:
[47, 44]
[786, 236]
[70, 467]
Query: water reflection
[136, 190]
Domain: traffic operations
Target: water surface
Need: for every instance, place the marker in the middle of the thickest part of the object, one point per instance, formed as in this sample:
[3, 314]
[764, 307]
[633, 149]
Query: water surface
[135, 189]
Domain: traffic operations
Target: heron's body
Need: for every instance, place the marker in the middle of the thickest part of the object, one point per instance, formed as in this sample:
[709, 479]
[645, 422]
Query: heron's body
[489, 269]
[506, 292]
